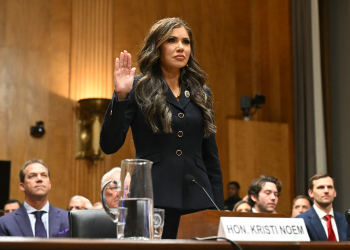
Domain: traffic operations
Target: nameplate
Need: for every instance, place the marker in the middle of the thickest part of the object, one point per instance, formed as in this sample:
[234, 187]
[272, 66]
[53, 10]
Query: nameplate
[263, 229]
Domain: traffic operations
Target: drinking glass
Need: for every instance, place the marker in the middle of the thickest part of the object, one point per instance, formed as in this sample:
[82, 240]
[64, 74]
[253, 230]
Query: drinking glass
[158, 222]
[122, 216]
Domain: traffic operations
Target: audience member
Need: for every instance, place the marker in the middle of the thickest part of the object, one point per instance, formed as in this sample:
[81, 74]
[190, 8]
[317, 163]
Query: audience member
[11, 205]
[111, 192]
[79, 203]
[97, 205]
[263, 194]
[300, 204]
[322, 223]
[36, 216]
[233, 195]
[242, 206]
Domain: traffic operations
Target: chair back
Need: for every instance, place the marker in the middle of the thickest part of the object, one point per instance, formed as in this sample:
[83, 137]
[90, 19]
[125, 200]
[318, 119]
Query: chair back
[93, 223]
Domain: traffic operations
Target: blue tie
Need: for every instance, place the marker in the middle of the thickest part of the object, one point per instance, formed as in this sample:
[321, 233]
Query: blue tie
[40, 230]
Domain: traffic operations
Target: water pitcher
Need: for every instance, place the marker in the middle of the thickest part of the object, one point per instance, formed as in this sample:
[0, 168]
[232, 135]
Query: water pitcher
[134, 192]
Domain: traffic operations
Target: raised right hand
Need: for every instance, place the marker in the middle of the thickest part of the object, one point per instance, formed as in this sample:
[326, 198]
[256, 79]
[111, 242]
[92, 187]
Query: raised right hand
[123, 75]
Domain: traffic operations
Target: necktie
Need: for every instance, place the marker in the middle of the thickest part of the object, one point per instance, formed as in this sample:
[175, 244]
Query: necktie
[40, 230]
[331, 235]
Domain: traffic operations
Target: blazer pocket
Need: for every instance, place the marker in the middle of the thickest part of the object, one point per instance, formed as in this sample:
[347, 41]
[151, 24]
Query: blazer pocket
[157, 157]
[200, 164]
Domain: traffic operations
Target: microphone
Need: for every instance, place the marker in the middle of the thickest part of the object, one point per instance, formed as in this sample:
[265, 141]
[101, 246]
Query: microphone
[190, 179]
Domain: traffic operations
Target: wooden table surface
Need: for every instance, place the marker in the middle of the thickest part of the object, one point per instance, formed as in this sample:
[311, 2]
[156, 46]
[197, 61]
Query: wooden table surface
[20, 243]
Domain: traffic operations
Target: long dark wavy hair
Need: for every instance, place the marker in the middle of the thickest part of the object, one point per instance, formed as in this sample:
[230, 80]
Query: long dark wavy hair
[151, 90]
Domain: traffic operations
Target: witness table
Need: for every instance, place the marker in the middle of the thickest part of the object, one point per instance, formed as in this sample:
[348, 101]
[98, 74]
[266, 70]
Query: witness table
[19, 243]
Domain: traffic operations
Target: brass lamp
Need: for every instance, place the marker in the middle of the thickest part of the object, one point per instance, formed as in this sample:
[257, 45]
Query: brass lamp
[89, 122]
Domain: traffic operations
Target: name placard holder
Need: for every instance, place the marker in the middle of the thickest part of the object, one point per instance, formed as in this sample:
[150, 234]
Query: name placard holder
[263, 229]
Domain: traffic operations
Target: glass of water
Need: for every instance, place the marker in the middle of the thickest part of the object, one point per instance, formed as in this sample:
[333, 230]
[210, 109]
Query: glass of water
[158, 222]
[122, 215]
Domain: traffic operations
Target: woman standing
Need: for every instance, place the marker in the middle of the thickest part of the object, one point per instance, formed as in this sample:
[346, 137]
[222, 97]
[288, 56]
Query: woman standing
[170, 113]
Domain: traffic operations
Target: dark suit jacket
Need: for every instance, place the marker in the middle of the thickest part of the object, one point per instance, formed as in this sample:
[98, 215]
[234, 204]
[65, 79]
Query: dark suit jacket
[199, 155]
[17, 223]
[316, 230]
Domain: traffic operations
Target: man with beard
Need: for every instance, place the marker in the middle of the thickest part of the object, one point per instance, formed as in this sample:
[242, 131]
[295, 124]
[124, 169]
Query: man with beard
[263, 194]
[322, 223]
[36, 217]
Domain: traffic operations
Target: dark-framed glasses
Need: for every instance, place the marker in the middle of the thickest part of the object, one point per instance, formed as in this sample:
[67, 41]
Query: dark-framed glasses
[113, 189]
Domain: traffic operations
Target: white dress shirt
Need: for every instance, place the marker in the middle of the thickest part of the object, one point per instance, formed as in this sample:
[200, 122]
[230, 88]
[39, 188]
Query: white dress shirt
[32, 217]
[321, 215]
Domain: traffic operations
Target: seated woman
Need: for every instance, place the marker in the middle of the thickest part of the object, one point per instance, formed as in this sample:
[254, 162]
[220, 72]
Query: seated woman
[242, 206]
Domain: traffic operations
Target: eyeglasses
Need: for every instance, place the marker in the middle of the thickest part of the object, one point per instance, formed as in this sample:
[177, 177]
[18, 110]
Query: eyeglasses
[76, 208]
[113, 189]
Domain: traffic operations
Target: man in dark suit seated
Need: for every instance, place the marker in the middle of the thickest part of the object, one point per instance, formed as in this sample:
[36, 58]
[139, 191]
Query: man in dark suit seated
[35, 217]
[11, 205]
[301, 204]
[233, 195]
[322, 223]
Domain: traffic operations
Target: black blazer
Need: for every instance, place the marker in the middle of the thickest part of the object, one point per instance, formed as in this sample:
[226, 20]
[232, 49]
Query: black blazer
[315, 229]
[199, 156]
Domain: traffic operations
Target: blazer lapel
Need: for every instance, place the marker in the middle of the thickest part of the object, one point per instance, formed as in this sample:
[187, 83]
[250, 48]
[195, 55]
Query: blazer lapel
[23, 222]
[183, 99]
[341, 226]
[317, 225]
[172, 99]
[54, 221]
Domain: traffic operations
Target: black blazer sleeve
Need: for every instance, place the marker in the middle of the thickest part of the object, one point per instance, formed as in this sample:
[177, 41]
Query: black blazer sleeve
[118, 118]
[211, 160]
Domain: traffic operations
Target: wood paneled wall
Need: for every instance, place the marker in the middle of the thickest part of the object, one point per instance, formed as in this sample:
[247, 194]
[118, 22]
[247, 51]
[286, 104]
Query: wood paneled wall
[53, 53]
[34, 80]
[257, 148]
[91, 77]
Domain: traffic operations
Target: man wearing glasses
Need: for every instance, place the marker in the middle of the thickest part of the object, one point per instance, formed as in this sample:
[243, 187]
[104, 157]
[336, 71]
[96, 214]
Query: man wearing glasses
[111, 192]
[79, 203]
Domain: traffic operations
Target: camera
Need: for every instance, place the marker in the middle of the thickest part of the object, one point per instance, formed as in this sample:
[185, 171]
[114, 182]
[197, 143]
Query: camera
[247, 102]
[37, 130]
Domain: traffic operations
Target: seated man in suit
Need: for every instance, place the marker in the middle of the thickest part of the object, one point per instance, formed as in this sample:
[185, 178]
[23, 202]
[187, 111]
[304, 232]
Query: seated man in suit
[263, 194]
[300, 204]
[78, 202]
[11, 205]
[233, 195]
[35, 217]
[322, 223]
[111, 192]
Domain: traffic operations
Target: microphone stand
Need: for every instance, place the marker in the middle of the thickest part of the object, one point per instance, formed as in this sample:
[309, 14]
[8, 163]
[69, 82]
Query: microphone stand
[194, 181]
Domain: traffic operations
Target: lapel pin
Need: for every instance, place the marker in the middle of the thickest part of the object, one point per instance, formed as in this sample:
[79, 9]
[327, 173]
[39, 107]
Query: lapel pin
[187, 94]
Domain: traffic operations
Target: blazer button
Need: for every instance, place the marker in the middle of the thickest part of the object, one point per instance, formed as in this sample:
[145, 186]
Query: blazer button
[178, 152]
[181, 115]
[180, 134]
